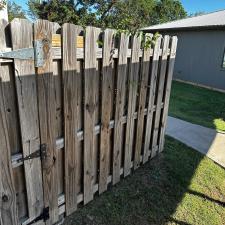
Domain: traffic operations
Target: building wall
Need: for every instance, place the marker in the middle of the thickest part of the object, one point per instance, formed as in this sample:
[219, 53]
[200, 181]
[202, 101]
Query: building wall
[199, 57]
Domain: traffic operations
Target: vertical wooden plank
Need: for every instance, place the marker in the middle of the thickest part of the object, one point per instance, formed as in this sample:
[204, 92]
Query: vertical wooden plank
[167, 91]
[70, 86]
[90, 64]
[133, 80]
[120, 92]
[46, 106]
[153, 79]
[8, 207]
[141, 101]
[106, 107]
[162, 75]
[22, 37]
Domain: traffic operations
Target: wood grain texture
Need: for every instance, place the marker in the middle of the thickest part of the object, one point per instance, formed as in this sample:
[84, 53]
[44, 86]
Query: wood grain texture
[90, 64]
[25, 79]
[159, 95]
[46, 103]
[106, 107]
[70, 86]
[141, 101]
[120, 92]
[133, 80]
[167, 91]
[153, 80]
[8, 206]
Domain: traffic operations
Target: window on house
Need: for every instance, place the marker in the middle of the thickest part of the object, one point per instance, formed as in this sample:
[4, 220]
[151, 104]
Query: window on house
[223, 63]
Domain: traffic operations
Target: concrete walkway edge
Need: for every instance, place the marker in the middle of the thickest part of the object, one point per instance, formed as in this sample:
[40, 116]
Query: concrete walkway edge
[205, 140]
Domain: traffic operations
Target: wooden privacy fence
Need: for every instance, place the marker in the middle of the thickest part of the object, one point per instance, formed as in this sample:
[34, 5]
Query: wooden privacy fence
[75, 115]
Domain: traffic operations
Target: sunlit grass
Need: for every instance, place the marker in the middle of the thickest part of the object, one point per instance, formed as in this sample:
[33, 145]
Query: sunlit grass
[219, 124]
[198, 105]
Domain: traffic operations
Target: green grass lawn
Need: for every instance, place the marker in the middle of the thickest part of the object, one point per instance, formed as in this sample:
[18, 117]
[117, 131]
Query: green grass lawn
[198, 105]
[178, 187]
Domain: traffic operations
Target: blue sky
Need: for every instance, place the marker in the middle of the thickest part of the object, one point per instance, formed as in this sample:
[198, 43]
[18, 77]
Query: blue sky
[190, 6]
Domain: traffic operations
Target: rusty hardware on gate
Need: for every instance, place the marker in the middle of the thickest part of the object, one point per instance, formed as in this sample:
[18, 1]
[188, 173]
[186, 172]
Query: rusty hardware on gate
[42, 153]
[44, 216]
[36, 53]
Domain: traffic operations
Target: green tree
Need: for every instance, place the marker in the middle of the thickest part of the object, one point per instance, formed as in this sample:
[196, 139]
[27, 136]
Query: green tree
[168, 10]
[15, 11]
[200, 13]
[119, 14]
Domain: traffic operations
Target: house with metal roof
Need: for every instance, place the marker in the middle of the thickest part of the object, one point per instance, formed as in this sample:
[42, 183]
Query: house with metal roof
[201, 48]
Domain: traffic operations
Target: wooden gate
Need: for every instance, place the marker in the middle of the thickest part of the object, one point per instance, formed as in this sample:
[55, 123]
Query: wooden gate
[79, 110]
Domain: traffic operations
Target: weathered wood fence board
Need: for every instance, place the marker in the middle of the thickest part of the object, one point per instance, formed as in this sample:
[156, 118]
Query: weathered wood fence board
[106, 107]
[22, 37]
[120, 92]
[142, 101]
[8, 207]
[167, 91]
[46, 103]
[152, 85]
[70, 83]
[98, 104]
[133, 80]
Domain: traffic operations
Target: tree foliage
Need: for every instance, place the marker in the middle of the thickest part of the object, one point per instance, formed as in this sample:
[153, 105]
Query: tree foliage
[15, 11]
[119, 14]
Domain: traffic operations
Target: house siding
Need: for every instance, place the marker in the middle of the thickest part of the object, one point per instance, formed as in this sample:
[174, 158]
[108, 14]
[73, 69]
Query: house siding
[199, 57]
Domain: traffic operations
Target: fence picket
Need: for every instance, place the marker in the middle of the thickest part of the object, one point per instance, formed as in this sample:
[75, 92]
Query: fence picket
[142, 99]
[8, 206]
[159, 95]
[107, 82]
[167, 92]
[22, 37]
[120, 92]
[133, 81]
[46, 103]
[70, 78]
[153, 77]
[91, 37]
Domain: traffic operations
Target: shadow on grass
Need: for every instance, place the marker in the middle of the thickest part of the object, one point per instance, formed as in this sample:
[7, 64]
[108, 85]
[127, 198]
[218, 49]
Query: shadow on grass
[151, 195]
[201, 195]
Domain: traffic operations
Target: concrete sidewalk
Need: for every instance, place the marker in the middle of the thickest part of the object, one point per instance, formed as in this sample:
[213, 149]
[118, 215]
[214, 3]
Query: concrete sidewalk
[205, 140]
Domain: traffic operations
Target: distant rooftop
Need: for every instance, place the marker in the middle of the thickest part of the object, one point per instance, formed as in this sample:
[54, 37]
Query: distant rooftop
[206, 21]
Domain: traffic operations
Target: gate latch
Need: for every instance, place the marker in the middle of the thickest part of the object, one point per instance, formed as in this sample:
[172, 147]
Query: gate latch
[42, 153]
[35, 53]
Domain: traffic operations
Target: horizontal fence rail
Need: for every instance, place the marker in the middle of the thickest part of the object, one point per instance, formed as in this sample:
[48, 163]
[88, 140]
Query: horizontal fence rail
[79, 110]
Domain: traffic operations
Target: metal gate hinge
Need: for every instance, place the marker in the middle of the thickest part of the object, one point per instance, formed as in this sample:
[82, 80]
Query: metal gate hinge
[35, 54]
[42, 153]
[44, 216]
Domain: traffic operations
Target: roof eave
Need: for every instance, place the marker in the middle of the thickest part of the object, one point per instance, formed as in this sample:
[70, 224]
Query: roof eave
[196, 28]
